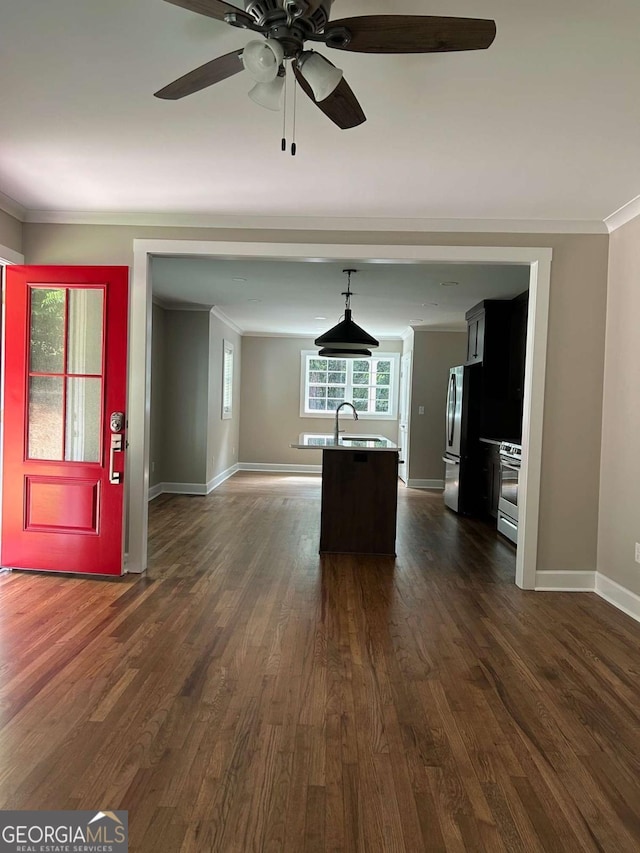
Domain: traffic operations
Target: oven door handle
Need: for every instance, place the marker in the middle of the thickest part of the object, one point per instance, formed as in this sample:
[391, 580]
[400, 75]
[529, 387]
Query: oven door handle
[450, 461]
[510, 467]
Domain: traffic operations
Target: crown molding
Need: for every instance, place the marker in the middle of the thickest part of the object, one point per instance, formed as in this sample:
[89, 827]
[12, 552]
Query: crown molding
[217, 312]
[436, 328]
[310, 337]
[317, 223]
[11, 206]
[623, 215]
[167, 305]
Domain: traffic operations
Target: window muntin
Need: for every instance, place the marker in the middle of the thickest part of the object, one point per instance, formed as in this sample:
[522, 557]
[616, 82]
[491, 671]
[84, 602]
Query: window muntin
[66, 373]
[368, 383]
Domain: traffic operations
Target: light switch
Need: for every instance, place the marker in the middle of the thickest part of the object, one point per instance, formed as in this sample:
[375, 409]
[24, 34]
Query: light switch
[421, 410]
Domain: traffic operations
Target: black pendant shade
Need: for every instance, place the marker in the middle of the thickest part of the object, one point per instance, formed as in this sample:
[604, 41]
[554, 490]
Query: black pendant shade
[347, 339]
[328, 352]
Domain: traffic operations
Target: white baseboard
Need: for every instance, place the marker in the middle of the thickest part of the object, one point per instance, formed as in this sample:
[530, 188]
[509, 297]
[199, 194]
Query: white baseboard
[614, 593]
[618, 595]
[219, 479]
[550, 581]
[436, 485]
[184, 488]
[191, 488]
[155, 491]
[278, 468]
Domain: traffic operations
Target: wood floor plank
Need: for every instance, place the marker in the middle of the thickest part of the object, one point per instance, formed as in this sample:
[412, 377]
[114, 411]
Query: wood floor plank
[248, 694]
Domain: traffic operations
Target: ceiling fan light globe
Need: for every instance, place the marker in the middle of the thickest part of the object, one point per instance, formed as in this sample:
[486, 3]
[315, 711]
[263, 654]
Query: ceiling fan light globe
[262, 59]
[269, 95]
[320, 74]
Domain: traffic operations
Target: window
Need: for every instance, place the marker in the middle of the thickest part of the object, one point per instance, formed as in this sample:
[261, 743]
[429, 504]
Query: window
[369, 383]
[227, 380]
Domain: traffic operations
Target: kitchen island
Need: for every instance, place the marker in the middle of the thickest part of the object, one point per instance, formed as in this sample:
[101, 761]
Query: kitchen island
[359, 493]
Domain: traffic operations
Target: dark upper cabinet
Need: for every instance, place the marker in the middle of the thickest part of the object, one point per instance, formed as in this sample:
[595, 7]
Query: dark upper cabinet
[488, 333]
[497, 340]
[518, 345]
[475, 338]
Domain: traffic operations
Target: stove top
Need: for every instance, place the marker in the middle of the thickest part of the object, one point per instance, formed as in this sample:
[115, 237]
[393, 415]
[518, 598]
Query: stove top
[511, 449]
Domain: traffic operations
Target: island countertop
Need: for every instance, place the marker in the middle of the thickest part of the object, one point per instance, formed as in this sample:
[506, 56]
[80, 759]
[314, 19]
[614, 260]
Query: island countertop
[349, 441]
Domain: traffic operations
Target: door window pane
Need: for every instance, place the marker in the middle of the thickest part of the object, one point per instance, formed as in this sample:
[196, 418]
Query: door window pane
[84, 343]
[45, 417]
[84, 404]
[47, 330]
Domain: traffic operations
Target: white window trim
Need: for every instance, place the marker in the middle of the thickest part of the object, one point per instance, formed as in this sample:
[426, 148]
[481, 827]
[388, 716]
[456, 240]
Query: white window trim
[227, 353]
[394, 357]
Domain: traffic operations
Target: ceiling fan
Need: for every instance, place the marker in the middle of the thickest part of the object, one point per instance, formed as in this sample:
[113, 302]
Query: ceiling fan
[288, 24]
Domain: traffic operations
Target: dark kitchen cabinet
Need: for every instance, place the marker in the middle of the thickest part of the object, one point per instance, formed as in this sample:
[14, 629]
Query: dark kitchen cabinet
[518, 346]
[497, 334]
[359, 501]
[489, 479]
[475, 338]
[488, 334]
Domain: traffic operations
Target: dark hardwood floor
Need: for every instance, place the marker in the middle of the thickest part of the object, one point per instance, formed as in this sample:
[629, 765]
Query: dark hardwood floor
[247, 695]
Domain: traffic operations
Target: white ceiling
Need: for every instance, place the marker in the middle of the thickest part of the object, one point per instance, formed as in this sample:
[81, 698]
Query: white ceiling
[543, 125]
[278, 297]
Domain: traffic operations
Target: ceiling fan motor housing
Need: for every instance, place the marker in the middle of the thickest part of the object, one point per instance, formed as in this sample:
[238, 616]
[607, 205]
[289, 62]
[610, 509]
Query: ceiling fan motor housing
[274, 12]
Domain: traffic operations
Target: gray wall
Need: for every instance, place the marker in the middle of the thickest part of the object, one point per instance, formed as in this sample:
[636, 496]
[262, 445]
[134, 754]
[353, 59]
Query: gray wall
[10, 232]
[433, 354]
[570, 478]
[270, 401]
[619, 523]
[189, 442]
[158, 382]
[185, 404]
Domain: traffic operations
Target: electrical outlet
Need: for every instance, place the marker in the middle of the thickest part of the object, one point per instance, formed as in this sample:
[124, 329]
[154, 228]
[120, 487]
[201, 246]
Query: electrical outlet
[637, 552]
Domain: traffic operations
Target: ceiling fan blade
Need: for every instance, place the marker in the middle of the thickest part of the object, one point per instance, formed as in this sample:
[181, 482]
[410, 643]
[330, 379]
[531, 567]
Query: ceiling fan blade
[410, 34]
[206, 75]
[211, 8]
[341, 106]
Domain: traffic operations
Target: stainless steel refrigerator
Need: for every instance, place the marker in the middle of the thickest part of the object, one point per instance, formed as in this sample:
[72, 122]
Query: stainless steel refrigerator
[461, 429]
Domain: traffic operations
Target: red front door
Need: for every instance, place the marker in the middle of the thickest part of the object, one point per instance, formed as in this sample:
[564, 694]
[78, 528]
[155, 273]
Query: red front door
[65, 375]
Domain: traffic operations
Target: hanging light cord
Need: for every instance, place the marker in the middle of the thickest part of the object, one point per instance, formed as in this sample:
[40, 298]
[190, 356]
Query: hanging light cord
[348, 293]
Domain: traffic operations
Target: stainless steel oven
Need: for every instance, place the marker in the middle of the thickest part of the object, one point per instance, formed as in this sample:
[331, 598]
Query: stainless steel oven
[510, 461]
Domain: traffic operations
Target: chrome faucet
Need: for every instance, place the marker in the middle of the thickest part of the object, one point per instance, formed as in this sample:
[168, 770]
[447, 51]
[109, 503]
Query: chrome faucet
[336, 432]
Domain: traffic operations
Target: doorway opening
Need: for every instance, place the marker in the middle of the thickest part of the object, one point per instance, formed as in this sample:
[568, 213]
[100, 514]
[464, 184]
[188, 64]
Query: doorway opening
[538, 260]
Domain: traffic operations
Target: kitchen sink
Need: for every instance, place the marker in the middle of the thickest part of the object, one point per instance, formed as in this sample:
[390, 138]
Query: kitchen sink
[363, 437]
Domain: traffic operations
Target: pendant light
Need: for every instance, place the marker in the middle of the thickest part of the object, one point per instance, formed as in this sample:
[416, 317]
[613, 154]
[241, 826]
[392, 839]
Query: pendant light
[347, 339]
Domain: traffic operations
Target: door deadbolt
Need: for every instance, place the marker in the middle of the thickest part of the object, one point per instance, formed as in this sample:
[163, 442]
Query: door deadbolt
[117, 421]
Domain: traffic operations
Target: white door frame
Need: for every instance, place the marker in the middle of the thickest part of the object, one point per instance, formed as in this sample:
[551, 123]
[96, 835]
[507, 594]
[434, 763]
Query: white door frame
[7, 257]
[406, 376]
[538, 260]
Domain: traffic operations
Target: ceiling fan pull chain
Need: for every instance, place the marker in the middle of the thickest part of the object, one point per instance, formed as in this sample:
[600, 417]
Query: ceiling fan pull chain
[294, 146]
[284, 110]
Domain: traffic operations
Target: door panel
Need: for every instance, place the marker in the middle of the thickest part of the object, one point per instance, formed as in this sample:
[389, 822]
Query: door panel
[66, 351]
